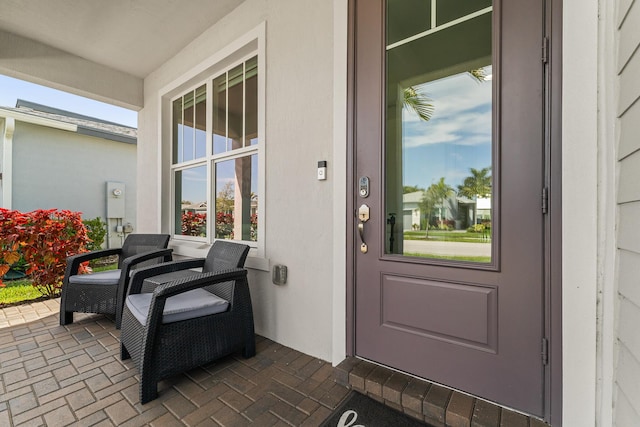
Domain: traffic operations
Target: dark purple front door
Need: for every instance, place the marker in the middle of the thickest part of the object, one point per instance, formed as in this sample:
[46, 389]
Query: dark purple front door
[449, 162]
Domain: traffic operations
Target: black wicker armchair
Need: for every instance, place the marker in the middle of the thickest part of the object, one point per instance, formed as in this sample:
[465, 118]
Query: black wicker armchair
[186, 323]
[104, 292]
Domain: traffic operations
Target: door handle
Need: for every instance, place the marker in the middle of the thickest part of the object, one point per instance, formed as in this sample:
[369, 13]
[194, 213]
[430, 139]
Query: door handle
[363, 215]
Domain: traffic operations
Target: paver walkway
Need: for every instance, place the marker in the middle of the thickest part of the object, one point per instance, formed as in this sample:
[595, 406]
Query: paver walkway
[56, 376]
[72, 375]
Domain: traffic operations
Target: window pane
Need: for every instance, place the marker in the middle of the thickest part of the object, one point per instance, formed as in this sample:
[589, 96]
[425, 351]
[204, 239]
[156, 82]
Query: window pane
[236, 199]
[201, 122]
[251, 102]
[191, 201]
[406, 18]
[188, 133]
[177, 130]
[449, 10]
[220, 114]
[236, 106]
[439, 142]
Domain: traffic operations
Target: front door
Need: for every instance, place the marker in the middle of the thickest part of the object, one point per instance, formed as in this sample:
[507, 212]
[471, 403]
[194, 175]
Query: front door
[449, 155]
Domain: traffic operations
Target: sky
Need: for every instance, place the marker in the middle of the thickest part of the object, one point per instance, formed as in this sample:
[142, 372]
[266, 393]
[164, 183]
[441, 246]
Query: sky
[455, 139]
[12, 89]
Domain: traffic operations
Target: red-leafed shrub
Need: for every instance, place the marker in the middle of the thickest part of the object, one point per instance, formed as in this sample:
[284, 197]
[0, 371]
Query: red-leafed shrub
[45, 238]
[194, 224]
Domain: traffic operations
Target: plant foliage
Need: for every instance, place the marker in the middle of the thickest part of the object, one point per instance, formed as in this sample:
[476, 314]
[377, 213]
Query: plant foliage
[96, 232]
[45, 238]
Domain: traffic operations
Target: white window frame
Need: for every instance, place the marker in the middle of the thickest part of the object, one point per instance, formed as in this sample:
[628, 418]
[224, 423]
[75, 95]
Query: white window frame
[250, 45]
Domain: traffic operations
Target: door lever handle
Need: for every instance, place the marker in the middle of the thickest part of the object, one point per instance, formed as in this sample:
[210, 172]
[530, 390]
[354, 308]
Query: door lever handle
[363, 215]
[363, 246]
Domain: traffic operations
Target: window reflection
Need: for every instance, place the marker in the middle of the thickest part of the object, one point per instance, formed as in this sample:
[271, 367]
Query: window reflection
[191, 201]
[236, 199]
[439, 141]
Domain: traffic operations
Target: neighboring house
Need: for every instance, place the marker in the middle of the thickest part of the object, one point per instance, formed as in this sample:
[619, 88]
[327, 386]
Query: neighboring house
[56, 159]
[457, 210]
[257, 92]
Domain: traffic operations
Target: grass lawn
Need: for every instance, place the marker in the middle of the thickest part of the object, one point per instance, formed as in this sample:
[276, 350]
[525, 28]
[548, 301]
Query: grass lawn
[21, 291]
[17, 291]
[447, 236]
[482, 259]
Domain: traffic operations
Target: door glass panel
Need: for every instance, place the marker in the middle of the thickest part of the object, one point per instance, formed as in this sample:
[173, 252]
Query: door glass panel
[439, 143]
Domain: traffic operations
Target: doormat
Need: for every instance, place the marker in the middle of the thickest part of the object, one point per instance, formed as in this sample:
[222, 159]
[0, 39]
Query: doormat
[359, 410]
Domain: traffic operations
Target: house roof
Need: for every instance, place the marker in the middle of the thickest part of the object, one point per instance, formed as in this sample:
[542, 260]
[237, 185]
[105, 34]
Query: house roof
[84, 125]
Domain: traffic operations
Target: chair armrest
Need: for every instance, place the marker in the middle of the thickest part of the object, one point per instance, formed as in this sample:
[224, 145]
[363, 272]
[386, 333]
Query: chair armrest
[199, 280]
[140, 274]
[125, 270]
[74, 261]
[166, 290]
[129, 262]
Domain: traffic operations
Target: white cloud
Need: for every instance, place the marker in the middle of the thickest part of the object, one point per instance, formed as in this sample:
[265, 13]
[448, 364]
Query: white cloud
[462, 113]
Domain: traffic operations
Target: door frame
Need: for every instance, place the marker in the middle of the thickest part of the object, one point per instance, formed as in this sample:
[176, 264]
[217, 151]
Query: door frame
[553, 221]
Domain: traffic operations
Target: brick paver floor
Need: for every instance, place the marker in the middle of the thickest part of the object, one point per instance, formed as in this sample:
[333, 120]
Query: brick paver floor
[72, 375]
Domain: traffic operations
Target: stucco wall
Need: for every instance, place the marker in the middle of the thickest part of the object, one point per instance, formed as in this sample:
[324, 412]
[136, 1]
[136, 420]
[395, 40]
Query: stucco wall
[626, 389]
[56, 169]
[299, 209]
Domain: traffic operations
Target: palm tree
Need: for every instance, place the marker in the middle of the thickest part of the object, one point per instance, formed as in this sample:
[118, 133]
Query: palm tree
[478, 184]
[427, 204]
[440, 192]
[478, 74]
[418, 102]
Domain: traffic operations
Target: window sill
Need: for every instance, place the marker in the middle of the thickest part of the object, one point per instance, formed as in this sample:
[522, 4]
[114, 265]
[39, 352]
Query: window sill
[192, 249]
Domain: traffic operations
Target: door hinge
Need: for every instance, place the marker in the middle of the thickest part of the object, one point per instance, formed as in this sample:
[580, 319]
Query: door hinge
[545, 200]
[545, 50]
[545, 351]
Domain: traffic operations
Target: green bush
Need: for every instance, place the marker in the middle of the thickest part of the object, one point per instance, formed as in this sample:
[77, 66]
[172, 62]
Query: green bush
[96, 231]
[478, 228]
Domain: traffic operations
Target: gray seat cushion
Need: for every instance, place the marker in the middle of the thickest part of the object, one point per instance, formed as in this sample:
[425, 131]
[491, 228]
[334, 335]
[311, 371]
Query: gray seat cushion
[109, 277]
[184, 306]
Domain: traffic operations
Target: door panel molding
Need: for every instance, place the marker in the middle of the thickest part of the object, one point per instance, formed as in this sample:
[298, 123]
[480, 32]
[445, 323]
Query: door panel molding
[473, 324]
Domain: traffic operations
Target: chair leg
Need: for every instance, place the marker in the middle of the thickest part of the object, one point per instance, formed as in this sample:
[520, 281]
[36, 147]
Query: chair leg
[66, 317]
[124, 354]
[148, 390]
[249, 349]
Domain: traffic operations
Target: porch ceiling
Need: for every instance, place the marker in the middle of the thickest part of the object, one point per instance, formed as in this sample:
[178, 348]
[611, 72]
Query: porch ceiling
[131, 36]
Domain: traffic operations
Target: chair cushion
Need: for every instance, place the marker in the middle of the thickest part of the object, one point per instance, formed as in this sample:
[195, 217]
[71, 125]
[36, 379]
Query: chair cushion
[109, 277]
[184, 306]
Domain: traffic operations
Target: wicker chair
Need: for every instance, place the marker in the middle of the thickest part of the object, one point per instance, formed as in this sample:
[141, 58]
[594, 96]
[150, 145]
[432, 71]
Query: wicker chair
[104, 292]
[165, 335]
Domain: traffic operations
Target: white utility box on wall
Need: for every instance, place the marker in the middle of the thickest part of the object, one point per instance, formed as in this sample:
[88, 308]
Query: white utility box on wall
[115, 200]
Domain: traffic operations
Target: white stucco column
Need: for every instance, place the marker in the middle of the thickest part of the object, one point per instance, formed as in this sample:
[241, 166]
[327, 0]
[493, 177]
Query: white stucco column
[579, 210]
